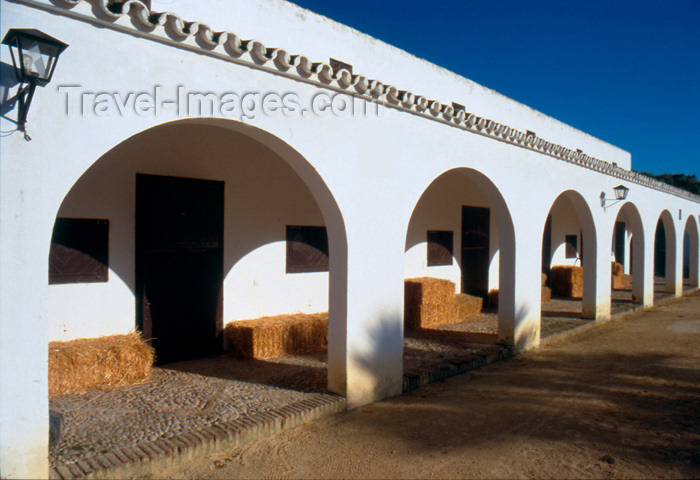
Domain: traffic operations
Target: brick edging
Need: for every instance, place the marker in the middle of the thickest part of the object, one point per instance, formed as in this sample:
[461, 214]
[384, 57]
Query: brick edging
[151, 456]
[413, 381]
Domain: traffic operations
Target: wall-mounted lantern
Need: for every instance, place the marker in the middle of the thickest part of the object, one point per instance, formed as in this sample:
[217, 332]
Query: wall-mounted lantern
[34, 57]
[620, 194]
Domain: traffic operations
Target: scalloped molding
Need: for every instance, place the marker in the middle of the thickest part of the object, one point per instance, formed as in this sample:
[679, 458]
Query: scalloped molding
[169, 28]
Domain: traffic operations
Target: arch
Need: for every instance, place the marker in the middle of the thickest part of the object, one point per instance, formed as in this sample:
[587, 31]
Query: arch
[570, 221]
[441, 207]
[691, 251]
[665, 252]
[247, 156]
[629, 251]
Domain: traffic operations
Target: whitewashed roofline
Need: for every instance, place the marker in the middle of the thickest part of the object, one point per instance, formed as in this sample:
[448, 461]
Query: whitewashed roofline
[171, 29]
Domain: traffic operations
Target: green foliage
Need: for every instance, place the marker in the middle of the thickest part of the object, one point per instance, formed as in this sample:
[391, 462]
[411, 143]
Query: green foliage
[686, 182]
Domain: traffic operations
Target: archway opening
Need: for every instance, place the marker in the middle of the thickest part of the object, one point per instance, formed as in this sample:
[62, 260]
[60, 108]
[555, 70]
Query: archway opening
[691, 251]
[627, 257]
[568, 265]
[191, 203]
[665, 256]
[459, 261]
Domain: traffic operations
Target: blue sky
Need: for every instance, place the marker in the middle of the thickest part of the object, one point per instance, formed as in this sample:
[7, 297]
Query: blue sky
[627, 72]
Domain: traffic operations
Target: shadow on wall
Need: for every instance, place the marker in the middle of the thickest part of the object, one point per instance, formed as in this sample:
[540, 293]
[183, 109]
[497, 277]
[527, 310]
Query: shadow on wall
[381, 358]
[528, 333]
[262, 192]
[7, 83]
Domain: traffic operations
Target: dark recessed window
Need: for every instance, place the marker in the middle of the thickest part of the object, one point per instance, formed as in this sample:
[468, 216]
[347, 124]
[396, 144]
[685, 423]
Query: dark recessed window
[307, 249]
[79, 251]
[571, 246]
[439, 247]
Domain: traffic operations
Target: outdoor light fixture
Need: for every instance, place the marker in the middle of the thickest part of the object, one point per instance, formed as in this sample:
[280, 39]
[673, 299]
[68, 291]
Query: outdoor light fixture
[620, 194]
[34, 57]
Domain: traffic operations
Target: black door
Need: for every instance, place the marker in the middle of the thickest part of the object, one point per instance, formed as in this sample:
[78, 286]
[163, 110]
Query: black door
[620, 240]
[547, 250]
[475, 251]
[179, 265]
[660, 250]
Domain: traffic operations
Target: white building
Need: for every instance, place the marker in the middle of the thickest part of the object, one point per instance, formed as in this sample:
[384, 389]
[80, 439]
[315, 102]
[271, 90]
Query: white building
[152, 117]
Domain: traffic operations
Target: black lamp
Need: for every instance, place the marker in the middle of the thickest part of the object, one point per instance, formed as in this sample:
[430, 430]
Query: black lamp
[620, 194]
[34, 57]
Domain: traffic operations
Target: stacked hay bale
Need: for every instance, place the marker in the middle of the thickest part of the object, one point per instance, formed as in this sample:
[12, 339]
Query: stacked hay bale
[277, 336]
[429, 302]
[620, 280]
[567, 281]
[468, 306]
[546, 291]
[104, 363]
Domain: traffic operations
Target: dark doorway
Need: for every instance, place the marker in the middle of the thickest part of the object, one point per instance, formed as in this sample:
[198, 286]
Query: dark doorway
[475, 251]
[620, 240]
[660, 250]
[179, 265]
[547, 250]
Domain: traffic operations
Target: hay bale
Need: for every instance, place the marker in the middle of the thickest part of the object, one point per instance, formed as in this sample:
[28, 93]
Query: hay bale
[617, 269]
[104, 363]
[620, 280]
[429, 302]
[468, 306]
[277, 336]
[567, 281]
[546, 294]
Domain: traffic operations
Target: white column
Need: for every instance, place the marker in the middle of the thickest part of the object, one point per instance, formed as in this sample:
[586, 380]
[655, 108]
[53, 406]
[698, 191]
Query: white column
[596, 276]
[628, 245]
[366, 350]
[520, 292]
[24, 409]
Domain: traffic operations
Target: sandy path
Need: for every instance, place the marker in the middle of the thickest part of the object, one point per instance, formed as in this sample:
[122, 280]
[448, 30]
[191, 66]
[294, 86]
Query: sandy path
[621, 400]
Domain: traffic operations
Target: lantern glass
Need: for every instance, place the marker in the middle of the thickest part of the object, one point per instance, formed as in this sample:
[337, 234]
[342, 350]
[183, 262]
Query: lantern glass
[621, 192]
[34, 54]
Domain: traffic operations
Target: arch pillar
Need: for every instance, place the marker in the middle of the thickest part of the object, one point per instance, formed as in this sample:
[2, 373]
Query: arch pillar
[25, 229]
[596, 277]
[520, 295]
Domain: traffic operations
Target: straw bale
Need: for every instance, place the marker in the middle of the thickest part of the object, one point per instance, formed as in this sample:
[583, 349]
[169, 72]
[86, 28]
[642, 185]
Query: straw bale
[493, 296]
[468, 306]
[279, 335]
[546, 294]
[620, 280]
[429, 302]
[105, 363]
[567, 281]
[617, 269]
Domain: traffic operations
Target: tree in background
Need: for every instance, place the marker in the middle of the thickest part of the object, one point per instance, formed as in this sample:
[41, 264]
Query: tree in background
[686, 182]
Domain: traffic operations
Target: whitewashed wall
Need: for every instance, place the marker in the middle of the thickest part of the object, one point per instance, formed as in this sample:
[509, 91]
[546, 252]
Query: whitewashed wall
[564, 222]
[262, 196]
[364, 176]
[440, 208]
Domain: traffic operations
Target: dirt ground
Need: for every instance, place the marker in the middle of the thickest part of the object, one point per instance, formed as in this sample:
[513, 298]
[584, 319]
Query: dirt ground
[621, 400]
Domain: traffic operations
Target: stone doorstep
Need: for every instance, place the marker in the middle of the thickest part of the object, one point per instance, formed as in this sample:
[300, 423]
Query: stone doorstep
[149, 457]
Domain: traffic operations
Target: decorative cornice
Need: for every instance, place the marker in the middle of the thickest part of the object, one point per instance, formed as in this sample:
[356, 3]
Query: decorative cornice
[167, 27]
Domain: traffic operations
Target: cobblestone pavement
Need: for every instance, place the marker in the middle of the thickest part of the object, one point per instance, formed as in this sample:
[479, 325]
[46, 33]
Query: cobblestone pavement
[188, 396]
